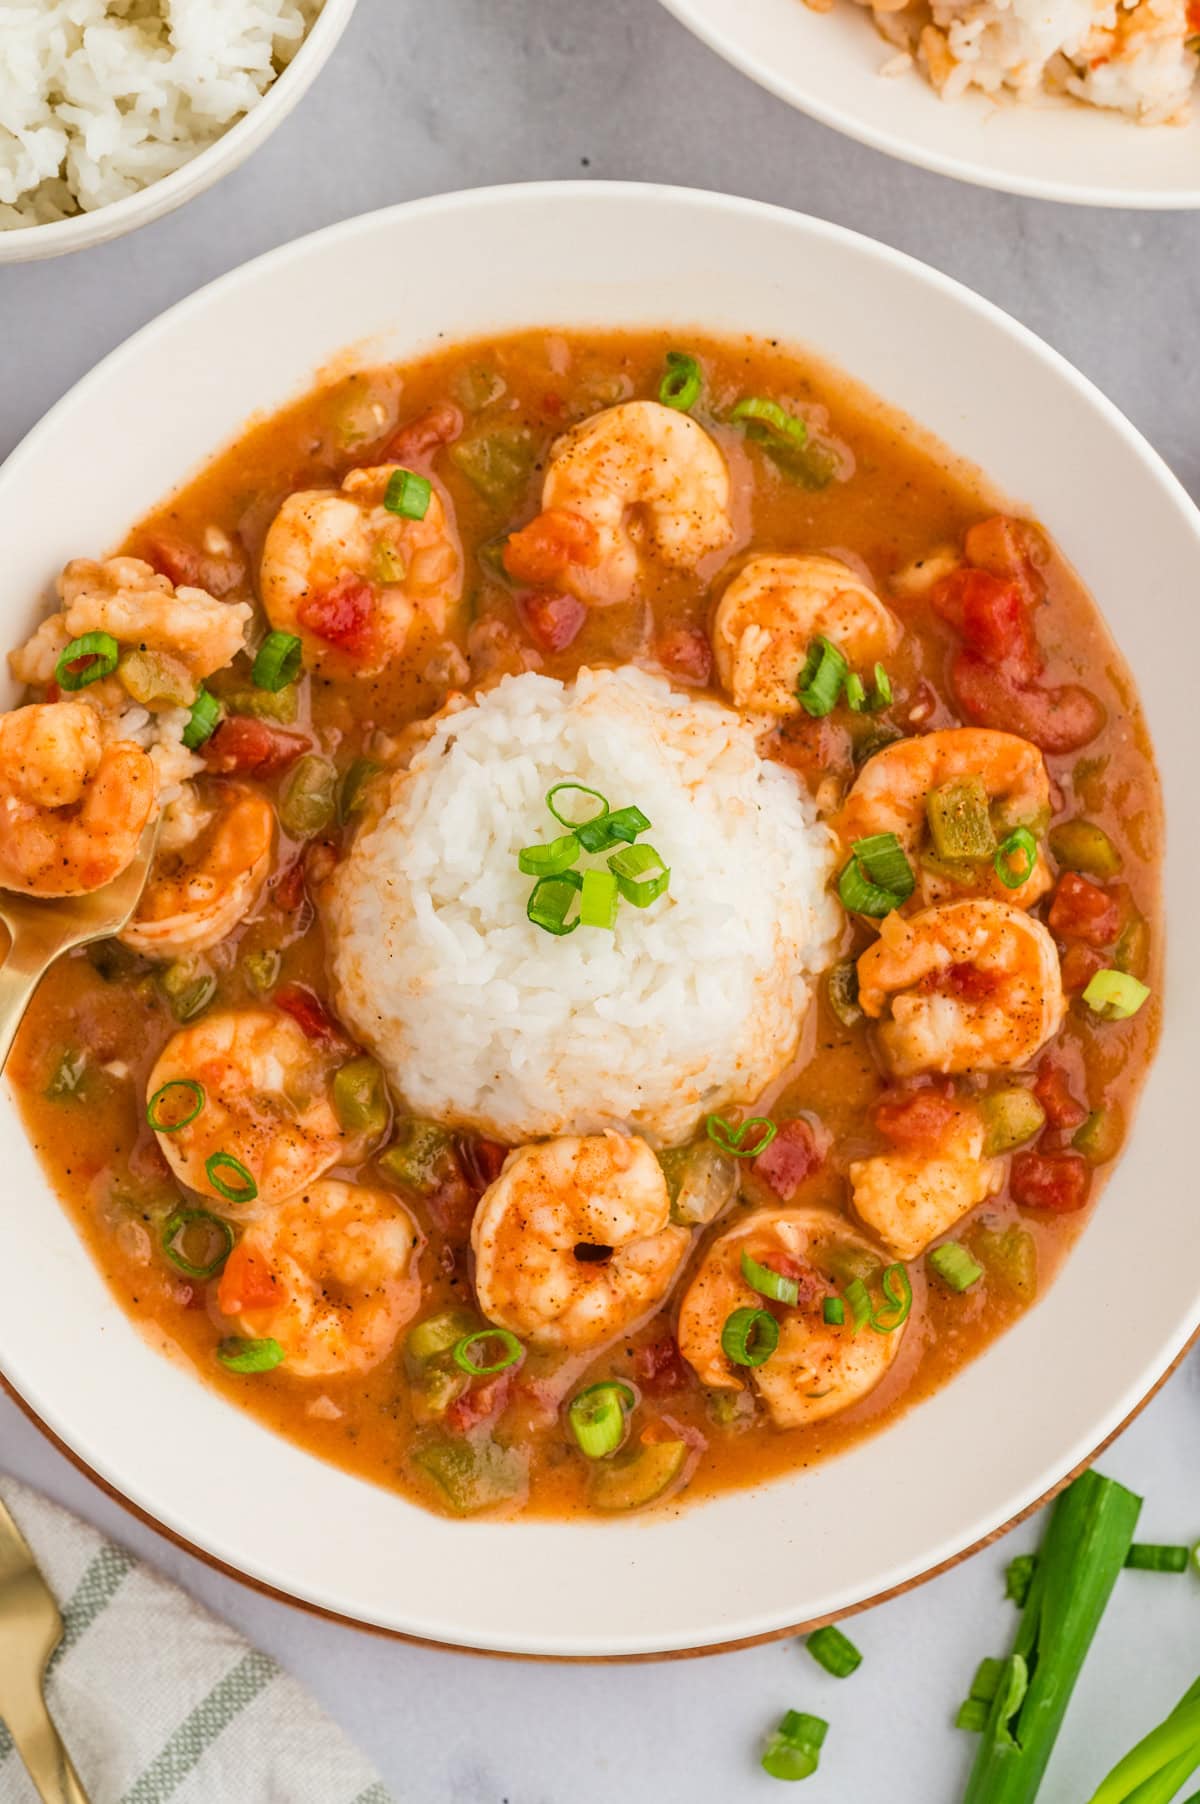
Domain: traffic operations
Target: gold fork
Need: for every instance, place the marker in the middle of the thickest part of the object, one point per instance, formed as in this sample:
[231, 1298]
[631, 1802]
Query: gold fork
[30, 1630]
[42, 930]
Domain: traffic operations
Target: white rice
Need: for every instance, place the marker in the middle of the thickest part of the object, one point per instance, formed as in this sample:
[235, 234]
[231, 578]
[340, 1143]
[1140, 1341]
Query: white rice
[483, 1019]
[99, 98]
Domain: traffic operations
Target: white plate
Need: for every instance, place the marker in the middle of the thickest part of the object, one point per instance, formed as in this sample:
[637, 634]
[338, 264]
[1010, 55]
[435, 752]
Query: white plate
[828, 64]
[1044, 1397]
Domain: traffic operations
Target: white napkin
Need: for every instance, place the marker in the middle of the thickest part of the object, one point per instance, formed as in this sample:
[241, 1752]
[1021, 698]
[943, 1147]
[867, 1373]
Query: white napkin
[159, 1700]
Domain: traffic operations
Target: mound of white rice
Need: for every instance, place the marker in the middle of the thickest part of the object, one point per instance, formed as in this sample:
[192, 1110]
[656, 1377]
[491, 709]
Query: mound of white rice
[482, 1019]
[99, 98]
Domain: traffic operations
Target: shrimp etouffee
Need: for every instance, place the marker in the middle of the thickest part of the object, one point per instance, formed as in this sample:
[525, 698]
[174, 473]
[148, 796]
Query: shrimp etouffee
[280, 663]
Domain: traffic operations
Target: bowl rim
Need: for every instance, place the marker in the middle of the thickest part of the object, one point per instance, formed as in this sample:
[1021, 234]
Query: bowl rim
[57, 237]
[1123, 1405]
[730, 47]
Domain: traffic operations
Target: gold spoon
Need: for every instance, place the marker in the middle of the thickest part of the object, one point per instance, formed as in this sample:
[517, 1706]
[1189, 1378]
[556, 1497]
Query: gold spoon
[30, 1630]
[42, 929]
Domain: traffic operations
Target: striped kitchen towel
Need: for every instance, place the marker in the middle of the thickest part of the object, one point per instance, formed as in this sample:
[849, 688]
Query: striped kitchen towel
[158, 1700]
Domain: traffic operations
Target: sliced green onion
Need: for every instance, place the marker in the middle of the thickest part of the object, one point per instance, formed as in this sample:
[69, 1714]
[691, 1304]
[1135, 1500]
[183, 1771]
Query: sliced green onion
[794, 1750]
[581, 789]
[730, 1139]
[976, 1707]
[221, 1239]
[833, 1311]
[767, 420]
[859, 1299]
[98, 654]
[550, 860]
[1016, 858]
[749, 1337]
[623, 825]
[1018, 1576]
[202, 720]
[512, 1352]
[769, 1283]
[629, 868]
[955, 1266]
[897, 1290]
[597, 1417]
[243, 1192]
[599, 899]
[1145, 1556]
[881, 696]
[878, 877]
[154, 1114]
[1115, 995]
[681, 385]
[408, 494]
[550, 902]
[834, 1651]
[238, 1355]
[972, 1715]
[277, 662]
[856, 692]
[959, 823]
[820, 681]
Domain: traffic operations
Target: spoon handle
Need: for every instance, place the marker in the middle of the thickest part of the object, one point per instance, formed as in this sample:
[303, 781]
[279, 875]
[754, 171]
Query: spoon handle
[20, 975]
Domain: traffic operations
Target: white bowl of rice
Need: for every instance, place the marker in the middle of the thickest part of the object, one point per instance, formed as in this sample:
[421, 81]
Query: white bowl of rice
[113, 112]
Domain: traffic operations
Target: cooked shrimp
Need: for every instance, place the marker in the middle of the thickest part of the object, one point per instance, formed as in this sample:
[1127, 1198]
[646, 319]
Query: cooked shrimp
[817, 1368]
[71, 808]
[912, 1195]
[639, 474]
[771, 613]
[354, 580]
[266, 1104]
[125, 597]
[330, 1274]
[967, 986]
[893, 788]
[198, 894]
[573, 1242]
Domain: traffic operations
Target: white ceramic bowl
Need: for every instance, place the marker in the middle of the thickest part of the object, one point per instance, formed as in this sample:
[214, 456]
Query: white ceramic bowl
[827, 64]
[27, 244]
[1046, 1395]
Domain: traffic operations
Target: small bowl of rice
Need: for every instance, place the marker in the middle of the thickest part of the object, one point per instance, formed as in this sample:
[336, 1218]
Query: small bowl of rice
[113, 112]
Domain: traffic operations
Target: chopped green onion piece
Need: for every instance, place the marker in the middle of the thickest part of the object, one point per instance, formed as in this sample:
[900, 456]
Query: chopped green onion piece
[768, 421]
[955, 1266]
[881, 696]
[833, 1311]
[681, 385]
[597, 1417]
[820, 681]
[352, 790]
[599, 899]
[155, 1115]
[581, 789]
[623, 825]
[550, 860]
[859, 1299]
[243, 1192]
[976, 1707]
[1082, 846]
[749, 1337]
[856, 692]
[629, 868]
[897, 1290]
[794, 1750]
[511, 1354]
[238, 1355]
[1145, 1556]
[202, 720]
[769, 1283]
[1016, 858]
[1115, 995]
[841, 987]
[730, 1139]
[959, 823]
[834, 1651]
[878, 877]
[67, 1077]
[96, 655]
[308, 800]
[1018, 1576]
[360, 1098]
[972, 1715]
[183, 1223]
[408, 495]
[277, 662]
[550, 902]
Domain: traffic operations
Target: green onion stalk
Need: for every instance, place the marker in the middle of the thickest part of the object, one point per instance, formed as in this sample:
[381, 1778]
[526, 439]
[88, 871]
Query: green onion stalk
[1163, 1761]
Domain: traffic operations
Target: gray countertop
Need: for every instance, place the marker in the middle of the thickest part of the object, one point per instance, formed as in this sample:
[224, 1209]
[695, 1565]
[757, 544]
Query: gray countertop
[464, 93]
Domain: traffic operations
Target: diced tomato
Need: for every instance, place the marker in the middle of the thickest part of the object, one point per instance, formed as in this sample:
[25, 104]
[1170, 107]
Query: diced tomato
[551, 620]
[1056, 1181]
[482, 1161]
[242, 745]
[916, 1120]
[1079, 964]
[417, 441]
[1081, 910]
[1001, 546]
[552, 404]
[686, 654]
[1052, 1087]
[247, 1282]
[792, 1156]
[185, 564]
[343, 615]
[658, 1367]
[480, 1404]
[309, 1013]
[1056, 720]
[992, 617]
[289, 886]
[550, 544]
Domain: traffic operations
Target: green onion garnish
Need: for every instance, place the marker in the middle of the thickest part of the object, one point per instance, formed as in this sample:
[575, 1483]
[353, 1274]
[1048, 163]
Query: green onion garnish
[1115, 995]
[599, 899]
[767, 420]
[955, 1266]
[769, 1283]
[549, 860]
[833, 1311]
[1154, 1771]
[878, 877]
[881, 695]
[820, 681]
[407, 494]
[834, 1651]
[154, 1114]
[1015, 858]
[1018, 1576]
[681, 385]
[749, 1337]
[622, 825]
[184, 1222]
[597, 1417]
[202, 721]
[897, 1291]
[244, 1192]
[96, 654]
[277, 662]
[859, 1299]
[550, 902]
[731, 1139]
[856, 692]
[238, 1355]
[975, 1709]
[1145, 1556]
[794, 1750]
[629, 868]
[511, 1351]
[581, 789]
